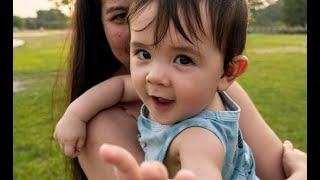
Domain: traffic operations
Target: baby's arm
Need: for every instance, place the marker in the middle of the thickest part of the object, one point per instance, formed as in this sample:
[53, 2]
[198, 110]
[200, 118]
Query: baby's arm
[200, 151]
[71, 129]
[129, 168]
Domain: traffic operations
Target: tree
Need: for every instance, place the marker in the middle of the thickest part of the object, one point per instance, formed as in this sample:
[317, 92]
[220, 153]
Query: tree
[53, 19]
[254, 4]
[30, 23]
[59, 3]
[261, 4]
[64, 3]
[294, 12]
[17, 22]
[269, 16]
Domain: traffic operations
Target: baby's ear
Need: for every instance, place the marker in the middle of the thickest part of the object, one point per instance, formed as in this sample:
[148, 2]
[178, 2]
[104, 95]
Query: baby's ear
[237, 67]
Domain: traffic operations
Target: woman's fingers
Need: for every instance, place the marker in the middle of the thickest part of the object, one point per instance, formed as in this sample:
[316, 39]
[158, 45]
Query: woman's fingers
[288, 145]
[125, 164]
[294, 162]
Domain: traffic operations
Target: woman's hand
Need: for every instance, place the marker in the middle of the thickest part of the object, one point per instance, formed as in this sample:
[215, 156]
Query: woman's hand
[126, 167]
[294, 162]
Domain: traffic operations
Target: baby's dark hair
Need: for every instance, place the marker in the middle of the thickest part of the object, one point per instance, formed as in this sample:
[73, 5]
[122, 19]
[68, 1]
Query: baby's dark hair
[228, 19]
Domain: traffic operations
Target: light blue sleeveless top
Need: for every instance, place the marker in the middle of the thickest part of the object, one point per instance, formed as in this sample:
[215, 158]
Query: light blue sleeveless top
[238, 163]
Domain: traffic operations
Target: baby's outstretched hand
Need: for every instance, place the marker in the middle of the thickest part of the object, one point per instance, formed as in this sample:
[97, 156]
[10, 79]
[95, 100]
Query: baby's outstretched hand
[70, 132]
[127, 168]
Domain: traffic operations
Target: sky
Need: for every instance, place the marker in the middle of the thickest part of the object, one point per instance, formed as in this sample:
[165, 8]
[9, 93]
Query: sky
[29, 8]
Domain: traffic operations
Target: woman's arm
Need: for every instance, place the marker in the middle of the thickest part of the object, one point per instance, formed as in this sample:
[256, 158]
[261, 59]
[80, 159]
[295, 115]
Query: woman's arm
[264, 143]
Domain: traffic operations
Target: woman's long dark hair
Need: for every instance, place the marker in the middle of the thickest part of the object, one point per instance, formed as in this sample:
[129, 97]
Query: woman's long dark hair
[90, 61]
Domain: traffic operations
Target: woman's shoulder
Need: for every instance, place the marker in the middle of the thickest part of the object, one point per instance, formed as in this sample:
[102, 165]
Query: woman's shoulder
[114, 126]
[115, 118]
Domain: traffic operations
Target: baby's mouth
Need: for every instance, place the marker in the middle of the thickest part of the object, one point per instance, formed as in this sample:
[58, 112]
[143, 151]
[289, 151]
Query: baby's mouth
[162, 101]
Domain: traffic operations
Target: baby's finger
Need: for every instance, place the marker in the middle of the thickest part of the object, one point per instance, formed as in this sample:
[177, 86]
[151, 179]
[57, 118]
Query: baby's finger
[153, 170]
[123, 161]
[69, 150]
[75, 154]
[184, 175]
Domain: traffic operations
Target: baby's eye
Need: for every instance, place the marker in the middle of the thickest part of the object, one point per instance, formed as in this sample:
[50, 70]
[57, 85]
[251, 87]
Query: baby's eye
[184, 60]
[142, 54]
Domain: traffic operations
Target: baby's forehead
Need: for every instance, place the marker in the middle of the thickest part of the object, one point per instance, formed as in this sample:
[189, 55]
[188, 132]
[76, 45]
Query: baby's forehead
[142, 18]
[193, 27]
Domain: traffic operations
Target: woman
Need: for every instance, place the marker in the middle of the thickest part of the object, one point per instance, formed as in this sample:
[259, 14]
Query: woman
[99, 50]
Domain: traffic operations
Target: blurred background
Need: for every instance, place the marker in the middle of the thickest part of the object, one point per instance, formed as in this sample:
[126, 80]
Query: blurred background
[282, 16]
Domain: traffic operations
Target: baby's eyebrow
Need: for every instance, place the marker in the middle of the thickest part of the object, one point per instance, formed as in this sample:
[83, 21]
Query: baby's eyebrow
[179, 48]
[134, 44]
[137, 44]
[183, 48]
[186, 48]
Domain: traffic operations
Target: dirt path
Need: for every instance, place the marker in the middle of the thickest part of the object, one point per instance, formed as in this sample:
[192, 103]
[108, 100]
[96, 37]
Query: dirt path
[17, 42]
[16, 84]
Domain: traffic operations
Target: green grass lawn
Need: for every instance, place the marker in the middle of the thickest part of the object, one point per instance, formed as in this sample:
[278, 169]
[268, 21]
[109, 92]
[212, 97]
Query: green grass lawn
[34, 66]
[275, 80]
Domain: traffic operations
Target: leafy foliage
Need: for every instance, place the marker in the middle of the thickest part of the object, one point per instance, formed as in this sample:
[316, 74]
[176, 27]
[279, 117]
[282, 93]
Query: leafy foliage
[52, 19]
[294, 12]
[261, 4]
[49, 19]
[255, 4]
[64, 3]
[269, 16]
[30, 23]
[17, 22]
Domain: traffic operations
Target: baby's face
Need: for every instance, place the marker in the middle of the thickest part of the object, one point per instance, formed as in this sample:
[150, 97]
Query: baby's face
[175, 79]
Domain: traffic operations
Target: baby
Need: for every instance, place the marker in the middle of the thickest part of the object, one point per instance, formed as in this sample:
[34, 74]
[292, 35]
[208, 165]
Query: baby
[183, 56]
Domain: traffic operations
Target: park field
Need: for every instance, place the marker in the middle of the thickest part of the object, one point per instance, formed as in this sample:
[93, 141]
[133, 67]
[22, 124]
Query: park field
[276, 81]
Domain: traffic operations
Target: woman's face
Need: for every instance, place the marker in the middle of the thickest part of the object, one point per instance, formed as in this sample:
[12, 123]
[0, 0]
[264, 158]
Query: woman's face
[116, 29]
